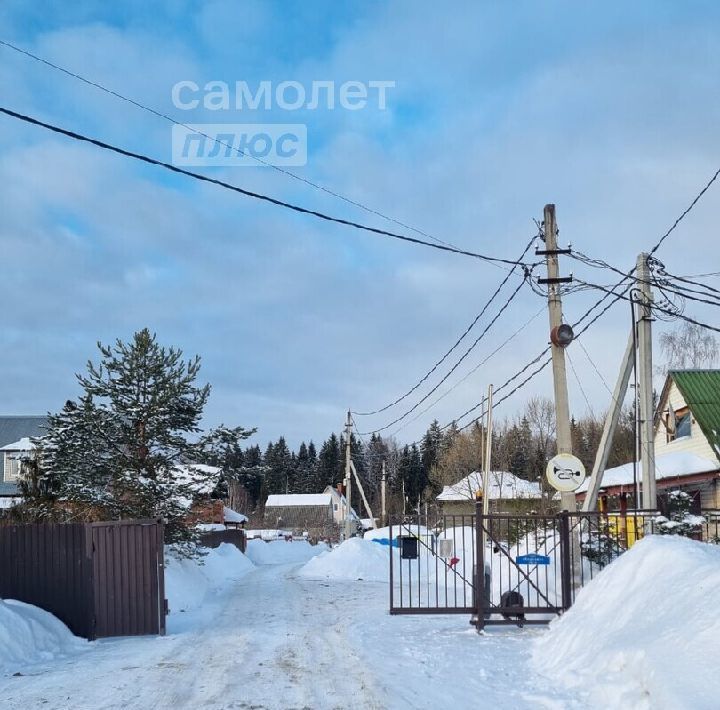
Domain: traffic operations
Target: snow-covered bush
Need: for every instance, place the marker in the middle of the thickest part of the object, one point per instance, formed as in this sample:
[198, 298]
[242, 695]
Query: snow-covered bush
[679, 520]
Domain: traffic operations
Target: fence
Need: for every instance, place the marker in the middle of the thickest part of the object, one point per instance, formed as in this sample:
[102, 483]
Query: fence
[215, 538]
[100, 579]
[532, 565]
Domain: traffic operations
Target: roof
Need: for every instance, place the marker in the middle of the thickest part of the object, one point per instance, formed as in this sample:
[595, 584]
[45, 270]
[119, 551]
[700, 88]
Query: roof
[298, 499]
[23, 444]
[14, 428]
[701, 391]
[675, 464]
[232, 516]
[503, 485]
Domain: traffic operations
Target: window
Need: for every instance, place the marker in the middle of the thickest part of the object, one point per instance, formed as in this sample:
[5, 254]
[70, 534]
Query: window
[679, 424]
[682, 427]
[12, 467]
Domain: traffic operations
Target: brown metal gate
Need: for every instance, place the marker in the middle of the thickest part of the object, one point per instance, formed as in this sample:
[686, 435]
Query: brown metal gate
[100, 579]
[128, 578]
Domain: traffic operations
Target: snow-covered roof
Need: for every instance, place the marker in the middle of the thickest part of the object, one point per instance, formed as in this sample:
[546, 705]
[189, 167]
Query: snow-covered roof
[297, 499]
[23, 444]
[200, 485]
[670, 465]
[503, 485]
[232, 516]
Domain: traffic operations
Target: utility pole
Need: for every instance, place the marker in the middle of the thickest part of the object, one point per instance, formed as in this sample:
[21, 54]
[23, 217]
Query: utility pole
[644, 336]
[383, 493]
[611, 420]
[488, 454]
[562, 408]
[348, 479]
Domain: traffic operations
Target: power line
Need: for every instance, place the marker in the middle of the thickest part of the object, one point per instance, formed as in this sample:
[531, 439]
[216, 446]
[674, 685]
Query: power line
[247, 193]
[425, 377]
[455, 366]
[471, 372]
[656, 307]
[685, 213]
[265, 163]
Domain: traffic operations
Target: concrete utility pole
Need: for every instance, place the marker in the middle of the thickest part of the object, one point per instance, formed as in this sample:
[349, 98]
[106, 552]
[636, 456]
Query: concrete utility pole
[611, 421]
[488, 454]
[644, 336]
[562, 408]
[383, 494]
[348, 478]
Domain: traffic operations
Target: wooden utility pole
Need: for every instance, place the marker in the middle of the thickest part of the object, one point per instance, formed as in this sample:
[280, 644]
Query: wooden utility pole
[562, 407]
[348, 478]
[644, 337]
[383, 494]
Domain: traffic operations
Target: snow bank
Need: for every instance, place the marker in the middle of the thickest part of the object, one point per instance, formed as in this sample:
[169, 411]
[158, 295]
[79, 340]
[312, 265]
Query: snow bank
[281, 552]
[645, 633]
[356, 558]
[188, 581]
[30, 635]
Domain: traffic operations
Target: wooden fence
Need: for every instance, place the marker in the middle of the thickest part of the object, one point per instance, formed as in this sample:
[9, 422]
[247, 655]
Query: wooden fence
[100, 579]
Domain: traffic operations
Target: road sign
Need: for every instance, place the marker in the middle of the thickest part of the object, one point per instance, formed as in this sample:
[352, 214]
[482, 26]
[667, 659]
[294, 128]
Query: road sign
[565, 473]
[533, 559]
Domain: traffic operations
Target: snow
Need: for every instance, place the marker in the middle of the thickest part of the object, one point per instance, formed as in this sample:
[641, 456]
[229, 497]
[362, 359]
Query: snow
[645, 633]
[503, 485]
[189, 585]
[29, 635]
[356, 558]
[670, 465]
[268, 534]
[281, 552]
[274, 639]
[24, 444]
[232, 516]
[294, 499]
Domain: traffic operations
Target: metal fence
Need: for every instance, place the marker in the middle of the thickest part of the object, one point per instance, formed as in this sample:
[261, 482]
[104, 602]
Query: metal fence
[532, 565]
[100, 579]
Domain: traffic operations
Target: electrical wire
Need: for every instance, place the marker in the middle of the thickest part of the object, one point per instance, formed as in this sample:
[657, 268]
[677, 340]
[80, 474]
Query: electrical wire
[503, 308]
[247, 193]
[467, 330]
[471, 372]
[265, 163]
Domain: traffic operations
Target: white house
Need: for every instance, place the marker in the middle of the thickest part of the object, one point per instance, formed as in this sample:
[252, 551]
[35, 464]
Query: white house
[459, 498]
[687, 443]
[15, 444]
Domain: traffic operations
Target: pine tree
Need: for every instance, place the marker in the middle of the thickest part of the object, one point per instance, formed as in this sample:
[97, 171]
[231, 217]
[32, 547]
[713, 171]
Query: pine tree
[115, 452]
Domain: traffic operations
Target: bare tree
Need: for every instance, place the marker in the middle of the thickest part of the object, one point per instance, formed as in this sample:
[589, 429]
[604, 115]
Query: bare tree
[687, 346]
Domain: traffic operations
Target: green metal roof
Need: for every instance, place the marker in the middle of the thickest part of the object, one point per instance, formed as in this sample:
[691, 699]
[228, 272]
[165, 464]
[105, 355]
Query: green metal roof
[701, 390]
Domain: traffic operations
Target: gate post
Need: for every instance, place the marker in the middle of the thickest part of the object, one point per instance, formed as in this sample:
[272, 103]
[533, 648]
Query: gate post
[479, 568]
[565, 562]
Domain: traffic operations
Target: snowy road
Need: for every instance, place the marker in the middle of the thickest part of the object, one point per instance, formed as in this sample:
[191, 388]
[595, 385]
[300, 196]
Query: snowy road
[278, 641]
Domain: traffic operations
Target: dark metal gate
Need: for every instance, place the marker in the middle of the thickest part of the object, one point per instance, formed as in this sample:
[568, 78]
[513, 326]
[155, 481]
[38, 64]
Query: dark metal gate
[128, 578]
[100, 579]
[532, 565]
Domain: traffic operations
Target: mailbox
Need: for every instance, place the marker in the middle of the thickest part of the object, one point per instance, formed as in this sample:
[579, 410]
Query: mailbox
[408, 547]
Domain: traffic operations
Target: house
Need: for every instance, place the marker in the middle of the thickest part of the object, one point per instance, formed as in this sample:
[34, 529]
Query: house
[687, 445]
[317, 514]
[15, 444]
[507, 492]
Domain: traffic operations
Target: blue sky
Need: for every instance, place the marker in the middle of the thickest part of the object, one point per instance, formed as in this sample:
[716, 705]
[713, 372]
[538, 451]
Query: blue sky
[608, 109]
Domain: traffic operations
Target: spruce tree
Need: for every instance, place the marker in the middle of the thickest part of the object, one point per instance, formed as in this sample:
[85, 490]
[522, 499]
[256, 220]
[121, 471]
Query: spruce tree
[115, 452]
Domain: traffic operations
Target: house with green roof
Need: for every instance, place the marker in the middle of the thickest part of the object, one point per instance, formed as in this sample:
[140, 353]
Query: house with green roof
[687, 443]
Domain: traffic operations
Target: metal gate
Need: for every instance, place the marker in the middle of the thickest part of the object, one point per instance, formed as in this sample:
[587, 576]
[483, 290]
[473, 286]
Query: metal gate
[128, 578]
[532, 565]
